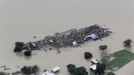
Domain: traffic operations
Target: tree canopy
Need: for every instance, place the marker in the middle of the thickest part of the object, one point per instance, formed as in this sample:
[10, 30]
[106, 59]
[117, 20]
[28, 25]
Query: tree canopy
[100, 69]
[76, 70]
[127, 43]
[87, 55]
[30, 69]
[110, 73]
[27, 53]
[103, 47]
[71, 68]
[4, 73]
[19, 46]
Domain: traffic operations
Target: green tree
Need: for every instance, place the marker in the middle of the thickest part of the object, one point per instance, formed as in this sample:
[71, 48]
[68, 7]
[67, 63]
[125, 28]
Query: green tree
[100, 69]
[103, 47]
[4, 73]
[19, 46]
[71, 68]
[110, 73]
[27, 53]
[80, 71]
[30, 69]
[76, 70]
[88, 55]
[127, 43]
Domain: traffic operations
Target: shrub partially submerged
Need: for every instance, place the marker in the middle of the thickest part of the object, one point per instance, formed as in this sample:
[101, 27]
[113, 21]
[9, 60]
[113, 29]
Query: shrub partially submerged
[87, 55]
[71, 68]
[99, 70]
[30, 69]
[19, 46]
[27, 53]
[4, 73]
[127, 43]
[110, 73]
[80, 71]
[76, 70]
[103, 47]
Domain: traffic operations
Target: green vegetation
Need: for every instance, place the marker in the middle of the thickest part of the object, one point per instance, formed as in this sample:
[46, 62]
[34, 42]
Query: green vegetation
[88, 55]
[76, 70]
[103, 47]
[127, 43]
[30, 69]
[100, 69]
[27, 53]
[19, 46]
[4, 73]
[110, 73]
[80, 71]
[118, 59]
[71, 68]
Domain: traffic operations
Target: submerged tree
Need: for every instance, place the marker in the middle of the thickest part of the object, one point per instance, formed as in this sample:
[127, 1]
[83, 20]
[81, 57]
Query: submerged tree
[100, 70]
[76, 70]
[4, 73]
[110, 73]
[80, 71]
[27, 53]
[87, 55]
[19, 46]
[103, 47]
[71, 68]
[127, 43]
[30, 69]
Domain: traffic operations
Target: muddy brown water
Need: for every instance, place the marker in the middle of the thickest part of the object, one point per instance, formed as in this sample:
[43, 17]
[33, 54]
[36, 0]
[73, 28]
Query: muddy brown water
[20, 20]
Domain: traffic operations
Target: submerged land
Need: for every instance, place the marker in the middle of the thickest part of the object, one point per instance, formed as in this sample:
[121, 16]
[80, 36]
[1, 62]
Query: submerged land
[22, 20]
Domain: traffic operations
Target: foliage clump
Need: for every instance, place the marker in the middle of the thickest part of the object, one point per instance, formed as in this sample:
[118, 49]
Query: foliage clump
[127, 43]
[30, 69]
[27, 53]
[71, 68]
[103, 47]
[4, 73]
[88, 55]
[19, 46]
[76, 70]
[100, 69]
[110, 73]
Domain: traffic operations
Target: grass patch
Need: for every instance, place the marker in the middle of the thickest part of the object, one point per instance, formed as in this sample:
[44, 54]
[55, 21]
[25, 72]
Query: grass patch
[121, 58]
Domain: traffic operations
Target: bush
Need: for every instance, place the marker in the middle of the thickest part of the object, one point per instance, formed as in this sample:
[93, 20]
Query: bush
[71, 68]
[127, 43]
[110, 73]
[80, 71]
[76, 71]
[30, 69]
[4, 73]
[103, 47]
[19, 46]
[100, 69]
[27, 53]
[87, 55]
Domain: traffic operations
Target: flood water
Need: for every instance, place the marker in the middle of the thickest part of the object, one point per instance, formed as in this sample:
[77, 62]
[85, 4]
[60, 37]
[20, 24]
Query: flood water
[20, 20]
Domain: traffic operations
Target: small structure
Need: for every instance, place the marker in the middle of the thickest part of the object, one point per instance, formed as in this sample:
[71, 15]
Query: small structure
[75, 43]
[94, 61]
[33, 44]
[50, 40]
[93, 67]
[56, 69]
[91, 36]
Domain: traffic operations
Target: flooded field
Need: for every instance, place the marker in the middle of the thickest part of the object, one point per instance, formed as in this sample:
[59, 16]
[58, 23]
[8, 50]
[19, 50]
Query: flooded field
[20, 20]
